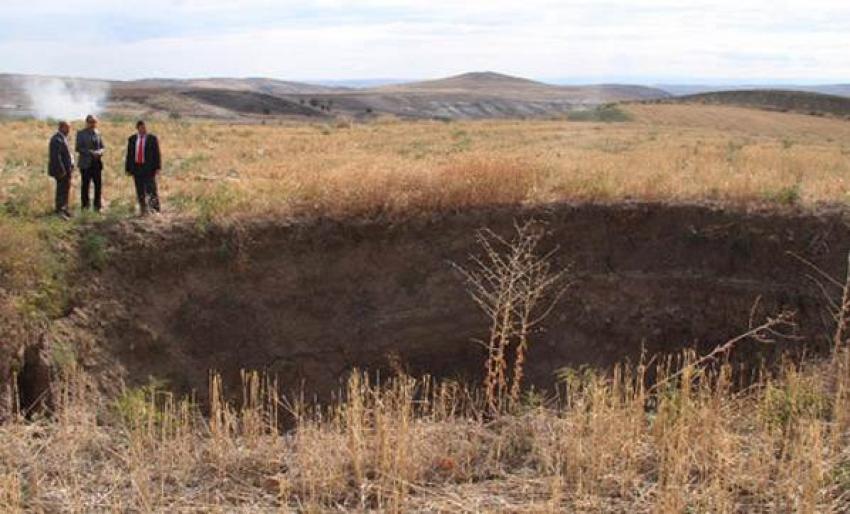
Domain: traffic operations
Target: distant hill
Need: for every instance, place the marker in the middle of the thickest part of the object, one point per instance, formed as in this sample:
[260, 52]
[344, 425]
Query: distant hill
[695, 89]
[467, 96]
[486, 81]
[776, 100]
[482, 95]
[497, 84]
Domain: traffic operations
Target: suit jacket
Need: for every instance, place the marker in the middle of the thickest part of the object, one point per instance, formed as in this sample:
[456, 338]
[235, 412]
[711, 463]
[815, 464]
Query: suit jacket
[60, 162]
[88, 143]
[153, 159]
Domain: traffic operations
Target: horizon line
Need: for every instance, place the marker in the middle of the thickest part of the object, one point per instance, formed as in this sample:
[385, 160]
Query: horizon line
[552, 80]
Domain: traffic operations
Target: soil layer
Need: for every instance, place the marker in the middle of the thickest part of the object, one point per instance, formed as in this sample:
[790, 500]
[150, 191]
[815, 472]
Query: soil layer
[307, 301]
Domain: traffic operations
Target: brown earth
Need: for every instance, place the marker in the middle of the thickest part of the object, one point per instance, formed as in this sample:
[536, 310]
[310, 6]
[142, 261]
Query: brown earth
[308, 300]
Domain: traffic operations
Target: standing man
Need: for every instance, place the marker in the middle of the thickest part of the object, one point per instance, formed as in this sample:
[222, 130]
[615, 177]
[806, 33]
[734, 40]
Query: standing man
[144, 163]
[90, 147]
[60, 166]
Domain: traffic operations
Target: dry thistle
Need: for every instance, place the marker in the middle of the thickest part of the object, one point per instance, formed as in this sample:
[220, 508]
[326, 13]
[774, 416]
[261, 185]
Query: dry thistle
[516, 287]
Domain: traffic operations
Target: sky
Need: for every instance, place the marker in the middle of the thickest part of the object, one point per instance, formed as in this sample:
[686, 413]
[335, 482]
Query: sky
[644, 41]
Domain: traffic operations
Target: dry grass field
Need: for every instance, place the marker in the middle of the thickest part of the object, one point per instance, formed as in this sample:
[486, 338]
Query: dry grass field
[696, 441]
[693, 443]
[668, 153]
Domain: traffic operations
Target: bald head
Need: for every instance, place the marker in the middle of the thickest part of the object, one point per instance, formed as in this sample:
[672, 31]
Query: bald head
[64, 127]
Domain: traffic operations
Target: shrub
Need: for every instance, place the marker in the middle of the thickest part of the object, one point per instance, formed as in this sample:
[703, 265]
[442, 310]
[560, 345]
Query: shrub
[93, 250]
[609, 113]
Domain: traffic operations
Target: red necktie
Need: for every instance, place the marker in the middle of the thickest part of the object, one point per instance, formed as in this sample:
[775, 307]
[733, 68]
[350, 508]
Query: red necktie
[140, 152]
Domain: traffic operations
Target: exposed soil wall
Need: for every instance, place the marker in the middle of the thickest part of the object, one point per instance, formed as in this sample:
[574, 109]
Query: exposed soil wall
[307, 301]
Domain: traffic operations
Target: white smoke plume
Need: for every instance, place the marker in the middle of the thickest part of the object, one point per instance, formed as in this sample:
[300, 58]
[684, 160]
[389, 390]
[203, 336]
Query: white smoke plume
[65, 99]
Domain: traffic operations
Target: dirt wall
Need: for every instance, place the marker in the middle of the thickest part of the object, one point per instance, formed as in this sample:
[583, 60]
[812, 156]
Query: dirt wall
[307, 301]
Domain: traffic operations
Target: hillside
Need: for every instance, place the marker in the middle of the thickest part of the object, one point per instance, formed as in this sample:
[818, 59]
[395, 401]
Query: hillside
[480, 95]
[469, 96]
[223, 98]
[497, 84]
[776, 100]
[695, 89]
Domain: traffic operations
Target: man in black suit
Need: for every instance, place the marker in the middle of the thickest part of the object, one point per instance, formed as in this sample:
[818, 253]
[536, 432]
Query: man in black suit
[60, 166]
[90, 147]
[144, 163]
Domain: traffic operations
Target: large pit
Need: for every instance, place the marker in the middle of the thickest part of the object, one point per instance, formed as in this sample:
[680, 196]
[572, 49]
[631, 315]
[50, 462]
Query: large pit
[307, 301]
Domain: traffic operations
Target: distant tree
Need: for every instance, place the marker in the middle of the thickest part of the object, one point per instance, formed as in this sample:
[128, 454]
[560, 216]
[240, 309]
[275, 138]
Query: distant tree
[314, 103]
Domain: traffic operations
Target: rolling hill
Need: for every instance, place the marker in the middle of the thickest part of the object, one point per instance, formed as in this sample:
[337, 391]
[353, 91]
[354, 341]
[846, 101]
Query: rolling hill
[482, 95]
[468, 96]
[497, 84]
[695, 89]
[775, 100]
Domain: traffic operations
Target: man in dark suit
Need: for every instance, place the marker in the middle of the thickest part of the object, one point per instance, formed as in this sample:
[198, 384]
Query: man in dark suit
[60, 166]
[144, 164]
[90, 147]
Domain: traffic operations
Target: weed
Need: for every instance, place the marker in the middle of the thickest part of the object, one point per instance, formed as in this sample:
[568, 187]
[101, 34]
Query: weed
[27, 198]
[789, 195]
[93, 250]
[516, 288]
[138, 407]
[733, 149]
[609, 113]
[788, 404]
[190, 164]
[212, 206]
[64, 356]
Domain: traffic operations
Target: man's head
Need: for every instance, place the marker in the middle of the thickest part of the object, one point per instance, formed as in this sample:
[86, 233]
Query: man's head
[91, 121]
[64, 128]
[141, 128]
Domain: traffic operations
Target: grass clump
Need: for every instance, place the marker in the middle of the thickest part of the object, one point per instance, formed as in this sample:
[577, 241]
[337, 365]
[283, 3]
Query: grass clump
[93, 250]
[789, 195]
[608, 113]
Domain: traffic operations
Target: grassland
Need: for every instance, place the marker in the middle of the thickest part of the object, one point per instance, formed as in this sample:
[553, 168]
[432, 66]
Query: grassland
[607, 443]
[667, 153]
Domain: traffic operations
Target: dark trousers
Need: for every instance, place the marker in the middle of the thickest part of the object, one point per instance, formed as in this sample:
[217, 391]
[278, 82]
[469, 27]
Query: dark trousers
[92, 175]
[146, 190]
[63, 191]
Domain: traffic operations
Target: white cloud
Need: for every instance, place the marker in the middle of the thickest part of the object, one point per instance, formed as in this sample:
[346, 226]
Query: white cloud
[752, 40]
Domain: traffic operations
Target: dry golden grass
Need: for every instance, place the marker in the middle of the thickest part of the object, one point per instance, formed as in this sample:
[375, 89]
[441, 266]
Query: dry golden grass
[743, 121]
[605, 445]
[668, 153]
